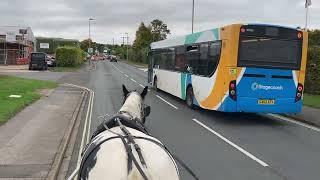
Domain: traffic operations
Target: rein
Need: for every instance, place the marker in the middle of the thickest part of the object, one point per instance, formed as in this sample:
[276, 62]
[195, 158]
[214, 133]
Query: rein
[129, 150]
[123, 121]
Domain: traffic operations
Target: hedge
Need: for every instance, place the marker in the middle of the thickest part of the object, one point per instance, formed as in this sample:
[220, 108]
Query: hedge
[139, 55]
[69, 56]
[312, 83]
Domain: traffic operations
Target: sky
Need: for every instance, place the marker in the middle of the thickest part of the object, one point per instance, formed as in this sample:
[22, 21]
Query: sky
[113, 18]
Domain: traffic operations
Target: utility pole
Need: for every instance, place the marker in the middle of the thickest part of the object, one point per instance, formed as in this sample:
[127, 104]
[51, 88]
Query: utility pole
[192, 16]
[123, 37]
[112, 45]
[127, 46]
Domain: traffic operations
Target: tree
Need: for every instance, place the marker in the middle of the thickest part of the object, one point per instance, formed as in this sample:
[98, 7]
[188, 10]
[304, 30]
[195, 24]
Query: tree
[100, 47]
[84, 45]
[159, 30]
[143, 37]
[314, 37]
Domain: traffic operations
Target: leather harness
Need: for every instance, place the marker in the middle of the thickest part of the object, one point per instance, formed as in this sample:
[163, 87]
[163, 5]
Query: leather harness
[123, 120]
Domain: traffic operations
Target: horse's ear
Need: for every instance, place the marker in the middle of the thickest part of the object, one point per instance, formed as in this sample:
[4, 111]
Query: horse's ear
[144, 92]
[125, 91]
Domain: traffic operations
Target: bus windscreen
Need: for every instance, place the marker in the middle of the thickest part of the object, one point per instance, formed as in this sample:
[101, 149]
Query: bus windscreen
[269, 48]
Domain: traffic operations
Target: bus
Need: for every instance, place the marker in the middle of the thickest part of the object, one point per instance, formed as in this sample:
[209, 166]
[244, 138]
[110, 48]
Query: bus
[258, 68]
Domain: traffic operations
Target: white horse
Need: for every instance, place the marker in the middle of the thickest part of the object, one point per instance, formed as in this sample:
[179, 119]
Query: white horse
[122, 149]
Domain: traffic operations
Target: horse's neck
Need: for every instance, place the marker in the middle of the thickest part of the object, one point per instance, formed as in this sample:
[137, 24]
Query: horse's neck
[133, 106]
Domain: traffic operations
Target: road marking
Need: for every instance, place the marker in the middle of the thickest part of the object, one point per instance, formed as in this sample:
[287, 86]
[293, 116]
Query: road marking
[90, 118]
[133, 80]
[129, 77]
[141, 85]
[294, 122]
[86, 123]
[232, 144]
[166, 102]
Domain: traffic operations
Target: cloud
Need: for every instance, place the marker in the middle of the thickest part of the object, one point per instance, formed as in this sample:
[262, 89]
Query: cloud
[69, 18]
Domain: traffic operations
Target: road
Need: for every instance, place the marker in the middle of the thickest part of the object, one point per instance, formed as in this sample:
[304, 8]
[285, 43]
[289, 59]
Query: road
[216, 146]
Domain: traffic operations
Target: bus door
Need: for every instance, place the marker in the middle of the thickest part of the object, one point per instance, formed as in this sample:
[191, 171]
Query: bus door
[150, 67]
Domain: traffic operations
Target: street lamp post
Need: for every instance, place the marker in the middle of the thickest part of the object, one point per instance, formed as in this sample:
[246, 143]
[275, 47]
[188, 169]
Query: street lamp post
[89, 49]
[192, 16]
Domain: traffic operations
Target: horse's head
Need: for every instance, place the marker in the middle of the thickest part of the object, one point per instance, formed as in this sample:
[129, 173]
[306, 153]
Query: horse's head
[134, 103]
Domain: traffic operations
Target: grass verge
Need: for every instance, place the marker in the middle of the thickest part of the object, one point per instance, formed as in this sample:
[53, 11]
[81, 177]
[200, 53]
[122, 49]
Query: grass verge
[311, 100]
[27, 88]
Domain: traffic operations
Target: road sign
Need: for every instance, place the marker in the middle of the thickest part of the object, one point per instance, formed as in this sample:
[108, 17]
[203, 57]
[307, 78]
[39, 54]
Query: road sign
[90, 50]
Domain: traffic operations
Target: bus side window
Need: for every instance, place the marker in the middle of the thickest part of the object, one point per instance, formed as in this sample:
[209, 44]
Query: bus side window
[180, 60]
[192, 56]
[214, 56]
[170, 59]
[204, 58]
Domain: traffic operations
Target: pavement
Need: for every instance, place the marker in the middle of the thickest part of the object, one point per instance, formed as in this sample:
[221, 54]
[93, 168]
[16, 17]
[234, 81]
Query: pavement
[14, 68]
[214, 145]
[31, 140]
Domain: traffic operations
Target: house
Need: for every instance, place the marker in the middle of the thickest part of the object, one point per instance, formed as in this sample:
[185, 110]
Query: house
[16, 44]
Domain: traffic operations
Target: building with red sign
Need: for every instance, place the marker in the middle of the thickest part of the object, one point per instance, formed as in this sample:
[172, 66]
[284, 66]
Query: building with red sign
[16, 44]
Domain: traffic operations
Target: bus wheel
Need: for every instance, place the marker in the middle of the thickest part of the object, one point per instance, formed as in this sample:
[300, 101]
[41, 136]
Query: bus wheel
[155, 85]
[189, 98]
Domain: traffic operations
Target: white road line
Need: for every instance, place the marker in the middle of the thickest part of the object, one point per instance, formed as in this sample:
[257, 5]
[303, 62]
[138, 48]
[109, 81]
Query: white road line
[133, 80]
[294, 122]
[141, 85]
[117, 68]
[129, 77]
[86, 131]
[232, 144]
[90, 118]
[167, 102]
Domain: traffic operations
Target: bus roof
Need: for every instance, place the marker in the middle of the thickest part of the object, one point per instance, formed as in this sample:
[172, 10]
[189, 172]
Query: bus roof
[203, 36]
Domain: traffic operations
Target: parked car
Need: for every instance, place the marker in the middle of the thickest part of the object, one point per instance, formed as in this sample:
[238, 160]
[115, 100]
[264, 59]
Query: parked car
[38, 61]
[113, 59]
[51, 61]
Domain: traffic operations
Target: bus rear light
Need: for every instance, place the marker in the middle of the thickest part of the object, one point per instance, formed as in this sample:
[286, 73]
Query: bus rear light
[299, 92]
[243, 30]
[299, 35]
[232, 90]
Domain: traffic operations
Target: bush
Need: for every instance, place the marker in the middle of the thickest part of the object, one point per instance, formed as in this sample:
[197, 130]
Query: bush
[139, 55]
[312, 83]
[69, 56]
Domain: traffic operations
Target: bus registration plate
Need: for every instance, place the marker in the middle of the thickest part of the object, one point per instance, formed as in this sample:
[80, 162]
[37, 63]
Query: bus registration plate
[266, 101]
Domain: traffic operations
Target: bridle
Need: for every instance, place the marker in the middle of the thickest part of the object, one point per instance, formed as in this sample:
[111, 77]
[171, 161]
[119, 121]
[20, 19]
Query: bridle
[123, 120]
